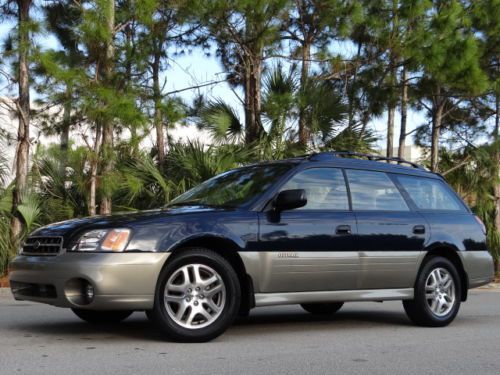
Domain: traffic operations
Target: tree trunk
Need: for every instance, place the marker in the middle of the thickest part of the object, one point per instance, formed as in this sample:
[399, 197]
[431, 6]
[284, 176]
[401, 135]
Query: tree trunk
[404, 113]
[64, 139]
[66, 124]
[158, 118]
[23, 109]
[392, 103]
[91, 205]
[105, 206]
[351, 90]
[391, 107]
[496, 131]
[390, 130]
[304, 76]
[437, 118]
[496, 189]
[65, 127]
[107, 126]
[253, 72]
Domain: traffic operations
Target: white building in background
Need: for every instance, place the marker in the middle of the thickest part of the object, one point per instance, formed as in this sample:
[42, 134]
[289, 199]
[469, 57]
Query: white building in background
[412, 153]
[9, 126]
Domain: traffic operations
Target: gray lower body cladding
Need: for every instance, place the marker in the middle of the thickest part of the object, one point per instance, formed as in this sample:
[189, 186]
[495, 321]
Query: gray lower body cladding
[478, 266]
[127, 281]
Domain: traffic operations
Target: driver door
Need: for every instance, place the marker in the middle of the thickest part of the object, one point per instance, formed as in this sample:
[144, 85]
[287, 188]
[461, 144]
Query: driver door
[310, 248]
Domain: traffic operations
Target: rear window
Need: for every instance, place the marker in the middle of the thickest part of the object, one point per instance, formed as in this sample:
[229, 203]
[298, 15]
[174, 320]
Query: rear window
[430, 194]
[373, 191]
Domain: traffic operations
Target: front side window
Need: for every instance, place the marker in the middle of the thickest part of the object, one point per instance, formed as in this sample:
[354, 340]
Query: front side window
[325, 188]
[234, 188]
[373, 191]
[429, 194]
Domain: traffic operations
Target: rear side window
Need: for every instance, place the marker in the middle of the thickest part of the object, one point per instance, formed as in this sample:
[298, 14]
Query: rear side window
[429, 194]
[371, 191]
[325, 188]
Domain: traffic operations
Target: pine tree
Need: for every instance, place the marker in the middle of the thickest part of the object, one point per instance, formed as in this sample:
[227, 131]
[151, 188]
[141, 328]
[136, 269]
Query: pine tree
[60, 70]
[166, 28]
[450, 60]
[244, 31]
[314, 25]
[486, 14]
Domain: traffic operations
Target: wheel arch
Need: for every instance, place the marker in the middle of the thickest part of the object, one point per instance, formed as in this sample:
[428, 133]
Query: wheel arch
[228, 249]
[450, 253]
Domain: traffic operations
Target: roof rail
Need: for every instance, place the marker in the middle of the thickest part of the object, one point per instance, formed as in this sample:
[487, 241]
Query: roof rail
[321, 156]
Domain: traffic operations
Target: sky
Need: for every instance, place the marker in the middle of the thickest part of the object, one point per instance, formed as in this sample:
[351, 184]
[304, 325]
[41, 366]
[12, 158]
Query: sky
[196, 68]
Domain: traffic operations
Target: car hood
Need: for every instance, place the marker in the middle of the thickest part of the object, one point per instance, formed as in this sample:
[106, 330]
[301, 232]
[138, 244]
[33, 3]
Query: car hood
[125, 219]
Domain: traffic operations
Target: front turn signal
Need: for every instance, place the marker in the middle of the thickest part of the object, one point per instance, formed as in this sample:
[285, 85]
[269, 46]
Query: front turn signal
[116, 240]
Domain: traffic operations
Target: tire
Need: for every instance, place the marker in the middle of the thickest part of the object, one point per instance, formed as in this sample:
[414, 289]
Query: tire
[322, 308]
[196, 309]
[102, 317]
[424, 309]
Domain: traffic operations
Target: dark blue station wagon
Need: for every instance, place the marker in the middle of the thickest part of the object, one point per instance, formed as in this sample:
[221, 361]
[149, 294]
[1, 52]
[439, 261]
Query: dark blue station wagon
[318, 231]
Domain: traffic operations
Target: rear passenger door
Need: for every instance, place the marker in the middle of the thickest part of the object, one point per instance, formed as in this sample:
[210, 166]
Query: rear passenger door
[311, 248]
[390, 235]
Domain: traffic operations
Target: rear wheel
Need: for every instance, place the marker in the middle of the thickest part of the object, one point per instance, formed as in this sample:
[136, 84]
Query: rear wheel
[322, 308]
[437, 294]
[198, 296]
[102, 317]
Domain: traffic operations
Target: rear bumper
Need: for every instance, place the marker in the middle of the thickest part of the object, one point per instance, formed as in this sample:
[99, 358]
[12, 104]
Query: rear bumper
[121, 281]
[479, 267]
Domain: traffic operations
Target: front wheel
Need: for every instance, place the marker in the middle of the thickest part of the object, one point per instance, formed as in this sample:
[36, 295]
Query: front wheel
[437, 294]
[322, 308]
[197, 297]
[102, 317]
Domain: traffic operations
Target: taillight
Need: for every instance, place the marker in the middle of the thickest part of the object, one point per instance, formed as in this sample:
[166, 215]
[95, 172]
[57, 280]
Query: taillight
[480, 222]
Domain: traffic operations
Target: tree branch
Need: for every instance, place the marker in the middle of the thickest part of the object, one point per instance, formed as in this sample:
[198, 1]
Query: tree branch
[195, 87]
[459, 165]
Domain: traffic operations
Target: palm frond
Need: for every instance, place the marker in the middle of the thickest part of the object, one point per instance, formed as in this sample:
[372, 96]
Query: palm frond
[221, 120]
[29, 210]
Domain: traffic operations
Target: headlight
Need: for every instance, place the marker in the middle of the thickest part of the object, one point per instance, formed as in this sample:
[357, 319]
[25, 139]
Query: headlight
[103, 240]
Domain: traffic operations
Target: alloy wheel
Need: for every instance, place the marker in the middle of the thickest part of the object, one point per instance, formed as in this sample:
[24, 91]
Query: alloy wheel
[194, 296]
[440, 291]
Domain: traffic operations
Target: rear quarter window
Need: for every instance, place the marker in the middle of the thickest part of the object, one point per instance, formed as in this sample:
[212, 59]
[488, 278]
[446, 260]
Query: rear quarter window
[374, 191]
[430, 194]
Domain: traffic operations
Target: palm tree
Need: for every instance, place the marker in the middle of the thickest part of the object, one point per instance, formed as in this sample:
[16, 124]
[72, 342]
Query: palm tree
[282, 101]
[28, 209]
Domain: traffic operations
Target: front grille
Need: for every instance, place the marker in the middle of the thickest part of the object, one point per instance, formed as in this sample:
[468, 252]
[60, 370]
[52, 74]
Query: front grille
[42, 246]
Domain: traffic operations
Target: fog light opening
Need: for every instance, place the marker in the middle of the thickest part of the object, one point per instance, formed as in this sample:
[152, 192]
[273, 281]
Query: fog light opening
[79, 291]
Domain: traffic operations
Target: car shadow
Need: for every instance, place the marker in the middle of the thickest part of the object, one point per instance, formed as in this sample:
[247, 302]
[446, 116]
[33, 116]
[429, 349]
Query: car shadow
[259, 322]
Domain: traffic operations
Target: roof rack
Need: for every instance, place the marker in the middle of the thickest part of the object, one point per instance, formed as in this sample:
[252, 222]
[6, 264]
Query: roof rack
[321, 156]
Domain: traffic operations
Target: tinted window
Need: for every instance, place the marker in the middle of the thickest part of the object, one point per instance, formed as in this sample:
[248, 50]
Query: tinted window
[374, 191]
[429, 194]
[325, 188]
[233, 188]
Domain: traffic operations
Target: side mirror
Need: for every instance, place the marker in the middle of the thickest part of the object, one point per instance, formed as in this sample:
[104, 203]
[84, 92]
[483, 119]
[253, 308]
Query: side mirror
[290, 199]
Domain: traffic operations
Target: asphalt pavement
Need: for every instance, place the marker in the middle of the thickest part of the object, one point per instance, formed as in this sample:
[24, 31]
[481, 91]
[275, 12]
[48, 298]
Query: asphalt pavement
[362, 338]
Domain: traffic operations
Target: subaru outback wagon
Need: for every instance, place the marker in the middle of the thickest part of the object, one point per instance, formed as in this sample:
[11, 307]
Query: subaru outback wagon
[318, 231]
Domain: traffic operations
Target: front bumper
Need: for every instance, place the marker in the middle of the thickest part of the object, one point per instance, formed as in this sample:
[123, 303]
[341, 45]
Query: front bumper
[121, 281]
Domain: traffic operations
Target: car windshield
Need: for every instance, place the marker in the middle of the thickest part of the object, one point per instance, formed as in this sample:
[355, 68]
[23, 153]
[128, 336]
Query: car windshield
[234, 188]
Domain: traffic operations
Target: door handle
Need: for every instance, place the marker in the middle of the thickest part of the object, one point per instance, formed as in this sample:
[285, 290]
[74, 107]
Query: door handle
[343, 229]
[419, 229]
